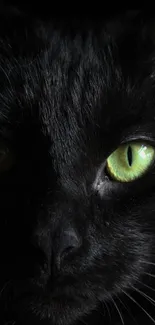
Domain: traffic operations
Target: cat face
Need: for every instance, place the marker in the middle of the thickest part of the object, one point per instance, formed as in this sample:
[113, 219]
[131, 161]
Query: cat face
[72, 234]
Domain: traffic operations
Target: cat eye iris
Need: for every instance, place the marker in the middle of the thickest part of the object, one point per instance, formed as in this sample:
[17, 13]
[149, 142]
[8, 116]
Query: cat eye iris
[130, 161]
[6, 158]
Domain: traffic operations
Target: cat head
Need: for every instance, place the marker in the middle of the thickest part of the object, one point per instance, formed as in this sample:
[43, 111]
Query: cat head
[77, 217]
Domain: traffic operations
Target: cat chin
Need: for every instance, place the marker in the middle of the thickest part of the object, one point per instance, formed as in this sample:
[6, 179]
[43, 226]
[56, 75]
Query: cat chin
[64, 305]
[55, 310]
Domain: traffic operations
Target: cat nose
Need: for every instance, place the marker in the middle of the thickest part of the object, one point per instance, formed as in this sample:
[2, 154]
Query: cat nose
[69, 244]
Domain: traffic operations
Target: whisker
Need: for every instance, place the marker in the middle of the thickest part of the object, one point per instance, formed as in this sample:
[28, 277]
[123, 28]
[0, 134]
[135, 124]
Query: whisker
[130, 297]
[147, 262]
[150, 274]
[145, 285]
[129, 312]
[119, 313]
[106, 305]
[144, 295]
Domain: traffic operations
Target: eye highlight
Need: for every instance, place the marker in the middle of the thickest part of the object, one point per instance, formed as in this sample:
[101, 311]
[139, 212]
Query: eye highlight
[130, 161]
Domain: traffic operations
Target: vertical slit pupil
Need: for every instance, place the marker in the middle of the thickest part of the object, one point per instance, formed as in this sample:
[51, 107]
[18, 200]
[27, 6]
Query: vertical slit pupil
[129, 155]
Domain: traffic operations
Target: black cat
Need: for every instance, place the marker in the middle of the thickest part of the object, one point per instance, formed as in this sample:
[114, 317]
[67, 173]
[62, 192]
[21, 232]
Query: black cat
[77, 170]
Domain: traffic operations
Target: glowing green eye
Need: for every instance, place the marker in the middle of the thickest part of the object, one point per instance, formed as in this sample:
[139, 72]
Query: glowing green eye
[130, 161]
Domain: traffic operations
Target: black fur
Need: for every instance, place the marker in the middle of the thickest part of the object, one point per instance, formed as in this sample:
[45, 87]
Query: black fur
[70, 93]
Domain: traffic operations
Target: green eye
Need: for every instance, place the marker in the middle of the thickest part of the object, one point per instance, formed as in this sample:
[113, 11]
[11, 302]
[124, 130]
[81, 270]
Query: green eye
[130, 161]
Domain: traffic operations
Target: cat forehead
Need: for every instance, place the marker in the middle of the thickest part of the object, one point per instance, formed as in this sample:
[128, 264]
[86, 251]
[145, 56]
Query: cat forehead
[73, 80]
[65, 65]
